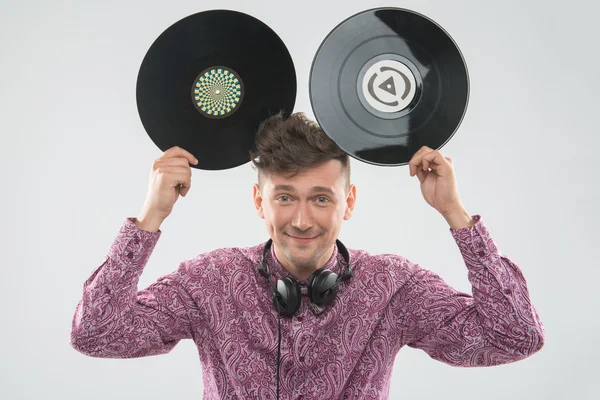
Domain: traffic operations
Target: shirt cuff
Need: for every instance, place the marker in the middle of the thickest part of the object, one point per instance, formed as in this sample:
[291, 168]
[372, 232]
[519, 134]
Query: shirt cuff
[133, 245]
[476, 242]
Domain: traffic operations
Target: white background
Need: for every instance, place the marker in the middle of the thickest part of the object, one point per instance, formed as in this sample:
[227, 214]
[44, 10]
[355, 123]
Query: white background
[75, 161]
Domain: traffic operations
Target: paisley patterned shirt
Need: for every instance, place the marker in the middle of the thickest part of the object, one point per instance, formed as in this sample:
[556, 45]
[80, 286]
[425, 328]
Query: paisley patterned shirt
[346, 351]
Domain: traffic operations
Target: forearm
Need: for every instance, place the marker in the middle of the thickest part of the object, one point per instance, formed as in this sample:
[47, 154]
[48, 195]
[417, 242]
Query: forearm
[500, 292]
[495, 325]
[110, 301]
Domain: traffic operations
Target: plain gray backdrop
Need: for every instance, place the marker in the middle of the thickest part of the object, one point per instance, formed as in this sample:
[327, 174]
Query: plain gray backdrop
[75, 161]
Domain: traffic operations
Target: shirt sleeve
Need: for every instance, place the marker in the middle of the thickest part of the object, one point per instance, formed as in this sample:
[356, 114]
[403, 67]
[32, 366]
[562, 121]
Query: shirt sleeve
[495, 325]
[115, 320]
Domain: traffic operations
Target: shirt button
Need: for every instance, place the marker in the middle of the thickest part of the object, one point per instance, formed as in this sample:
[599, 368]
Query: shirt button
[130, 255]
[300, 396]
[507, 291]
[300, 319]
[301, 358]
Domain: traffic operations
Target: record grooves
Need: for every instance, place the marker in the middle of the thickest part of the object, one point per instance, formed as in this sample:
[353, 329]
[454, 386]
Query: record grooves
[386, 82]
[207, 82]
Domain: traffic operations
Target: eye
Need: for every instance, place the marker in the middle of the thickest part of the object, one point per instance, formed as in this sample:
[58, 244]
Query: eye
[324, 199]
[283, 198]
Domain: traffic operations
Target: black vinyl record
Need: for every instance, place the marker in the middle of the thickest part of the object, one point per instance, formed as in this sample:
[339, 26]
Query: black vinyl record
[208, 81]
[386, 82]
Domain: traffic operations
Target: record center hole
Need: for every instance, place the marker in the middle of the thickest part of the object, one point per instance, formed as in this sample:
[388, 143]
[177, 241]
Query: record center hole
[217, 91]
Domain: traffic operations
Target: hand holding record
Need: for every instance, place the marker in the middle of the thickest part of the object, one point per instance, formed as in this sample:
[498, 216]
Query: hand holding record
[438, 181]
[170, 177]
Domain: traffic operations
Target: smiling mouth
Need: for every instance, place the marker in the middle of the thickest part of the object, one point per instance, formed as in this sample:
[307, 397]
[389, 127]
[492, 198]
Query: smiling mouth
[304, 239]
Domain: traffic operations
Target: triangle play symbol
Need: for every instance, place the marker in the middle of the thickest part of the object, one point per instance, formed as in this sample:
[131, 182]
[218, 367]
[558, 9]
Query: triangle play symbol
[389, 86]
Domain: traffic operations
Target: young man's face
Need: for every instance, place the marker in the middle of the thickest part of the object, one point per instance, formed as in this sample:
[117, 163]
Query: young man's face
[304, 214]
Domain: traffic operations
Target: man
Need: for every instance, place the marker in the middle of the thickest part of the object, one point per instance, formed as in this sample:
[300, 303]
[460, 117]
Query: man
[349, 313]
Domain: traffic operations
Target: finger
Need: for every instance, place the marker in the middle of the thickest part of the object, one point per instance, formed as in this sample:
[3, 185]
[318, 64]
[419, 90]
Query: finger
[172, 162]
[177, 174]
[421, 174]
[184, 190]
[416, 159]
[174, 169]
[433, 160]
[177, 151]
[183, 187]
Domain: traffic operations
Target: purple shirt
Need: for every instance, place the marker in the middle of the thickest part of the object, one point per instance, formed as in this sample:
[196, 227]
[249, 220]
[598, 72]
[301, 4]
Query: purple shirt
[220, 300]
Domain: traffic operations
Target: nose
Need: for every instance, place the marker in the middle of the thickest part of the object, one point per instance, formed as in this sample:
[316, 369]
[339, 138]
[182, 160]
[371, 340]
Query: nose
[302, 219]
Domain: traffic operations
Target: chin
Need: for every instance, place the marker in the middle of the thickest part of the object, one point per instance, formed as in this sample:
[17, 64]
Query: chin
[304, 262]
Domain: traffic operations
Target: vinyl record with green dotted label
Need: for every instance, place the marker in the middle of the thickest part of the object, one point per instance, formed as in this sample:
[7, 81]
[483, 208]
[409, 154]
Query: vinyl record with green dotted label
[386, 82]
[209, 80]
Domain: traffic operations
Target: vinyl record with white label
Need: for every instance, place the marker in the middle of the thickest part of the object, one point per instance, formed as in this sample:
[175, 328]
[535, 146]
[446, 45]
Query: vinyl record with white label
[386, 82]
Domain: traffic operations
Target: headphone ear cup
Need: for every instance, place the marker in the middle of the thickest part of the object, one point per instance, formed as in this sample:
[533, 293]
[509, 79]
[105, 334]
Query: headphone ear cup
[322, 287]
[286, 296]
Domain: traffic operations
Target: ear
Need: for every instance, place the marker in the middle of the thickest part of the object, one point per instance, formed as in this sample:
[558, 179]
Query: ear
[350, 202]
[258, 200]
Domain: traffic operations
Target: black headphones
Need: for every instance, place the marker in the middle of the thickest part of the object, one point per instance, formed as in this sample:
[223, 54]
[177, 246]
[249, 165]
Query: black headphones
[321, 288]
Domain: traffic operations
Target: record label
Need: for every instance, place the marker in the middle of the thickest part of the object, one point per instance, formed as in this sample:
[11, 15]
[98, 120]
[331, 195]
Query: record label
[386, 86]
[217, 92]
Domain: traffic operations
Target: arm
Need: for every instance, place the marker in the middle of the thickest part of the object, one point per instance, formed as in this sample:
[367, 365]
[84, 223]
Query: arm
[496, 325]
[115, 320]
